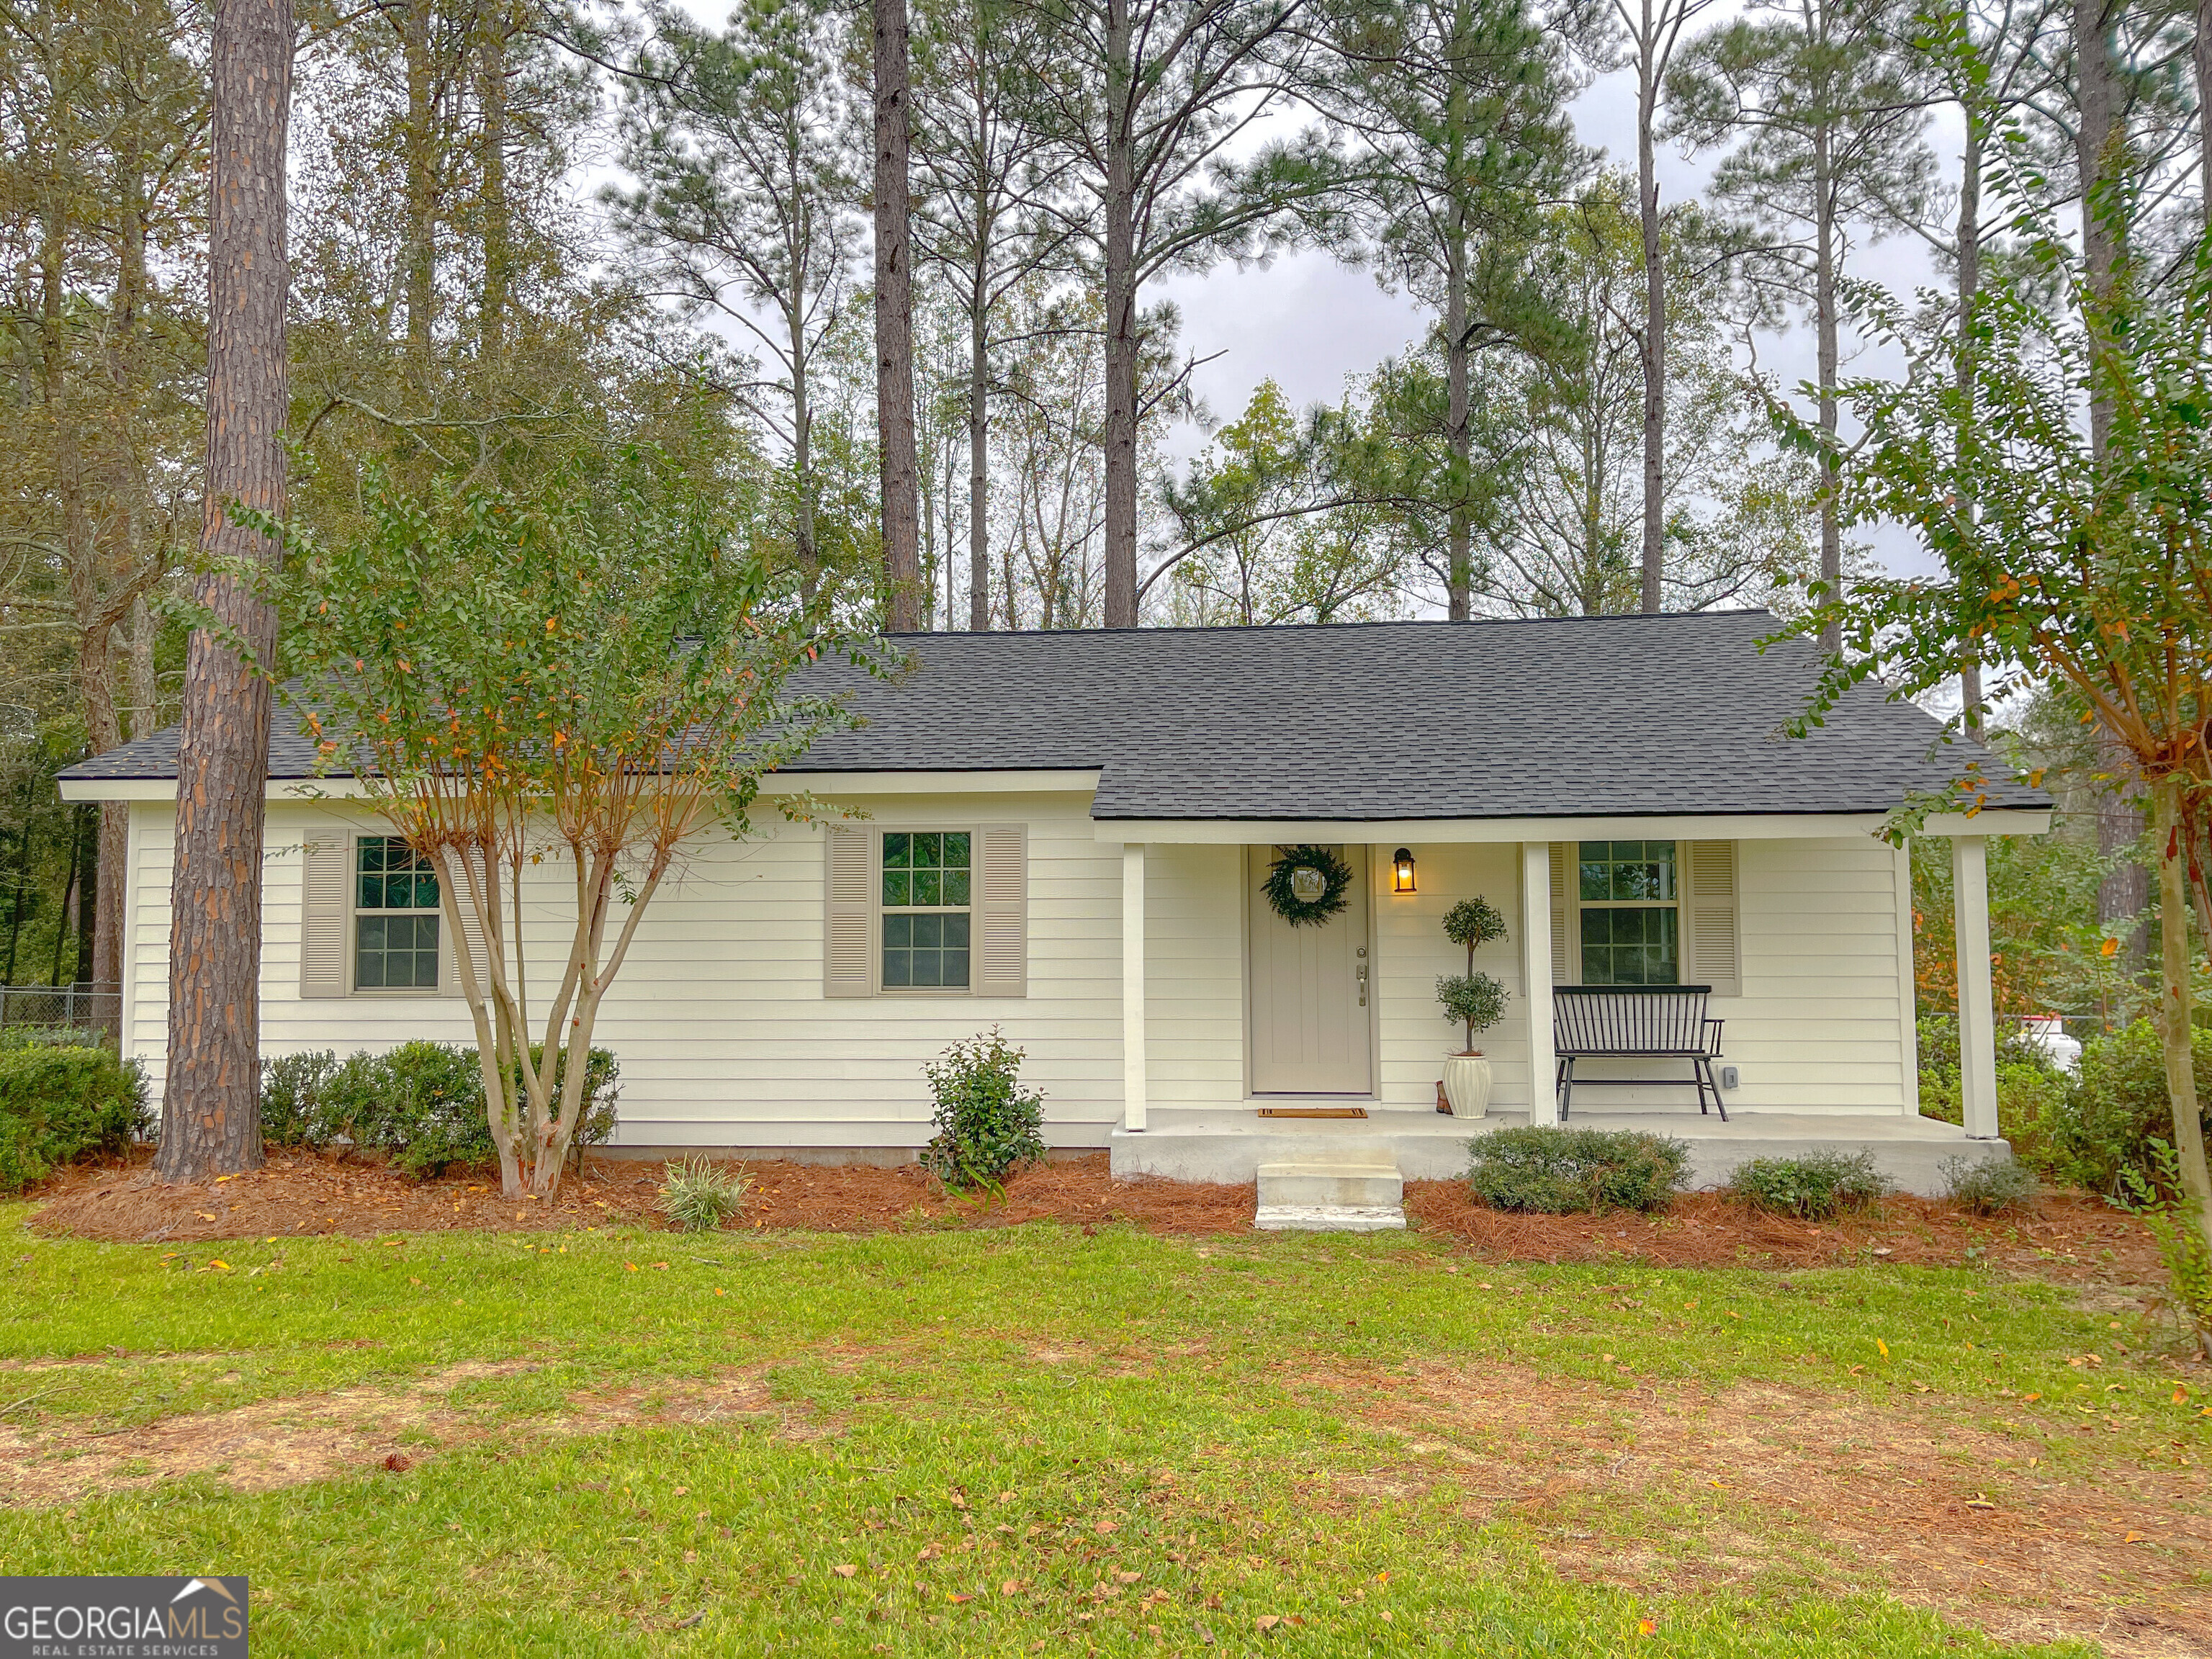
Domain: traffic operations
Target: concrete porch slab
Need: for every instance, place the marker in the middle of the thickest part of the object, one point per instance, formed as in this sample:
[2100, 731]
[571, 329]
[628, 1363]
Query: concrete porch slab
[1231, 1144]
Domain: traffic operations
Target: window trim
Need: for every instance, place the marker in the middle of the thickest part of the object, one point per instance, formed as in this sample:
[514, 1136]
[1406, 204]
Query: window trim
[1582, 906]
[876, 909]
[355, 912]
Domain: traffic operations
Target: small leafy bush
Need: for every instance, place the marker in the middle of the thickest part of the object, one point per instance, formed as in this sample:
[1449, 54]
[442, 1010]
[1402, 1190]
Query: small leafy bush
[1559, 1171]
[2160, 1200]
[59, 1104]
[1473, 1000]
[422, 1104]
[1813, 1187]
[986, 1127]
[1989, 1186]
[698, 1196]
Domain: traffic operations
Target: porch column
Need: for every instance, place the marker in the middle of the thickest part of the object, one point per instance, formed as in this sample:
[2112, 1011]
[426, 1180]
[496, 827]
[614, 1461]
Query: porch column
[1132, 985]
[1536, 978]
[1978, 1040]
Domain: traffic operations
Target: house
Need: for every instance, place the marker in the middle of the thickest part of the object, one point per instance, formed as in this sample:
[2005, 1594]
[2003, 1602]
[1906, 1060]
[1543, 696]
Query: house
[1065, 835]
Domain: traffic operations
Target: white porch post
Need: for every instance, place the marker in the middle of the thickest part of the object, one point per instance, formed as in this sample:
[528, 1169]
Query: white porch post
[1536, 978]
[1132, 985]
[1978, 1047]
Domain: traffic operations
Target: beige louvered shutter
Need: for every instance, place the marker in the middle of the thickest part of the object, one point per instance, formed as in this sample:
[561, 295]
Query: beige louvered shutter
[325, 910]
[1711, 953]
[1002, 911]
[1562, 914]
[848, 875]
[449, 978]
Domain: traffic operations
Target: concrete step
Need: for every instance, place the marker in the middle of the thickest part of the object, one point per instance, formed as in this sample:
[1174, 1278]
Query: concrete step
[1352, 1195]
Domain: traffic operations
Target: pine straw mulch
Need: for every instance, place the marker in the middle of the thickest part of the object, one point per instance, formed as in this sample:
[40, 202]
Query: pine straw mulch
[2068, 1237]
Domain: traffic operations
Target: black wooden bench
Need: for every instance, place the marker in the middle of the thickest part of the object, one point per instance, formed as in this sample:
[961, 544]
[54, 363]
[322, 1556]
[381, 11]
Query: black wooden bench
[1635, 1022]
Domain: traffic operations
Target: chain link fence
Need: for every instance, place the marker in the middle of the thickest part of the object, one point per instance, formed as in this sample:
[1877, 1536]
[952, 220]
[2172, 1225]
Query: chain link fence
[65, 1007]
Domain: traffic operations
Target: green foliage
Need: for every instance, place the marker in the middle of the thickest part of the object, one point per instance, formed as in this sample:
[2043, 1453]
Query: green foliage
[1813, 1188]
[1475, 1001]
[422, 1104]
[1559, 1171]
[987, 1127]
[1988, 1185]
[57, 1104]
[1474, 922]
[699, 1196]
[2158, 1198]
[2117, 1109]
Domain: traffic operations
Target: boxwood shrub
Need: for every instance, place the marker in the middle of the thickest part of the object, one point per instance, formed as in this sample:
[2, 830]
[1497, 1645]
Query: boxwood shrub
[422, 1104]
[1813, 1187]
[59, 1103]
[1557, 1171]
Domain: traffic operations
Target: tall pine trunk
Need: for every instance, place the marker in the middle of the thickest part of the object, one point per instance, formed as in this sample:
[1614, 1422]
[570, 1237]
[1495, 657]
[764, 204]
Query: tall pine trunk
[1970, 287]
[1654, 353]
[210, 1112]
[1824, 327]
[419, 143]
[895, 325]
[1121, 296]
[498, 213]
[979, 451]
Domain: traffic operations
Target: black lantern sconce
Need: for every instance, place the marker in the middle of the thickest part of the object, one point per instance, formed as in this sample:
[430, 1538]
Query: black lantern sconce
[1402, 870]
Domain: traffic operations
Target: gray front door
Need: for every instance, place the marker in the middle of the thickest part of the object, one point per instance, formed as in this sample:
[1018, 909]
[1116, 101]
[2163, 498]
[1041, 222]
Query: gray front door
[1309, 990]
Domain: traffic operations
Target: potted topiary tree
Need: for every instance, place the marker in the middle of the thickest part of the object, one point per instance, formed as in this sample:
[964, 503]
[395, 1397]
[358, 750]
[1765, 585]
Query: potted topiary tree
[1473, 1001]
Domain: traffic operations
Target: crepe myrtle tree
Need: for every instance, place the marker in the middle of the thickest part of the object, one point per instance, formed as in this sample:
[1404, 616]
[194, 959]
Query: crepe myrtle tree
[599, 673]
[2061, 557]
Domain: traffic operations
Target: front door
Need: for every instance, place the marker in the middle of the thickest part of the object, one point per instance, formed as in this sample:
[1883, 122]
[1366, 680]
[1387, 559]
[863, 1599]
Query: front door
[1309, 990]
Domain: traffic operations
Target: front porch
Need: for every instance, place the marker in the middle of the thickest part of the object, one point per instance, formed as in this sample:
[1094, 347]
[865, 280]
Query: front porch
[1803, 928]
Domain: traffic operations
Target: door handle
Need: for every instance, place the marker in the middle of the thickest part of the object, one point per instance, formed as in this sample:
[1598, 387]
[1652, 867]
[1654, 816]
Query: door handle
[1360, 973]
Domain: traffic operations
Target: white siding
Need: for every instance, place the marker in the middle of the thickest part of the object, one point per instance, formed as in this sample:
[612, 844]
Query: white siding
[725, 1039]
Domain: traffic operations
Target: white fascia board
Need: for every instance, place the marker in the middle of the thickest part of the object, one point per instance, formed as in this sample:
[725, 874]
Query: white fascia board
[1056, 782]
[1066, 782]
[1803, 826]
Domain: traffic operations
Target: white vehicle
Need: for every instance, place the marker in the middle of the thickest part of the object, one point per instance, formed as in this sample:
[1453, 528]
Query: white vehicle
[2048, 1033]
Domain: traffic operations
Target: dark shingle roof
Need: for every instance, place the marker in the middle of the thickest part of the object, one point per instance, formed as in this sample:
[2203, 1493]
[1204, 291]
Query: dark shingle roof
[1590, 716]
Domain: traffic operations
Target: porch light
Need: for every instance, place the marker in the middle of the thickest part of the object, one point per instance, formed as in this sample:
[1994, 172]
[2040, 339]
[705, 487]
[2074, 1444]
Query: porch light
[1402, 870]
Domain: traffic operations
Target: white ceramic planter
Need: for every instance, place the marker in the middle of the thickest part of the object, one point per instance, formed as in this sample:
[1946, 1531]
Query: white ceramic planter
[1467, 1084]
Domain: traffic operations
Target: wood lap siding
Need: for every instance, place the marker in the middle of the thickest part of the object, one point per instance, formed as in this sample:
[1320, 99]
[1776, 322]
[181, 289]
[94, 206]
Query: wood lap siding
[725, 1037]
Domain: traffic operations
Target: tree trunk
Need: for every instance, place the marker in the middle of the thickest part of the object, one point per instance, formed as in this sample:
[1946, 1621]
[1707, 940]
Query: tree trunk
[2174, 1007]
[895, 325]
[979, 458]
[1121, 296]
[88, 826]
[1459, 580]
[802, 464]
[2096, 98]
[1655, 329]
[498, 214]
[1969, 287]
[1825, 325]
[2202, 54]
[210, 1112]
[420, 251]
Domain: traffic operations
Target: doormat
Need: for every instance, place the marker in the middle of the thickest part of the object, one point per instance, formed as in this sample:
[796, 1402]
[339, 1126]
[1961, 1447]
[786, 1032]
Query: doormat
[1313, 1111]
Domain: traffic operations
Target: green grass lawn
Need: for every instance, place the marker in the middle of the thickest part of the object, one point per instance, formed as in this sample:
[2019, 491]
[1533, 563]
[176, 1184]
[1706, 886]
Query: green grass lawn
[1035, 1440]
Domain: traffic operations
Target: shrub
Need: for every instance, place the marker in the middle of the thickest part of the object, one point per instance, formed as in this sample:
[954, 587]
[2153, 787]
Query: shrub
[1813, 1188]
[1474, 1000]
[2162, 1203]
[986, 1126]
[422, 1104]
[57, 1103]
[2118, 1109]
[1557, 1171]
[698, 1197]
[1989, 1186]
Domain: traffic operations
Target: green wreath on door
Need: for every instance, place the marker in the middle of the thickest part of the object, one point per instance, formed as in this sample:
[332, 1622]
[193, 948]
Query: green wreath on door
[1307, 885]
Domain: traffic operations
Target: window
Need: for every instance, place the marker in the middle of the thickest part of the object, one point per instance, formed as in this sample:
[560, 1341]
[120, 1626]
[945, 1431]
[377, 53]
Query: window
[928, 879]
[395, 917]
[1631, 923]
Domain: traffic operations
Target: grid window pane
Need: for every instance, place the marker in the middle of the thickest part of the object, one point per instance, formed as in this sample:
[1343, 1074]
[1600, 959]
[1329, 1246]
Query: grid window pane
[1629, 871]
[397, 953]
[396, 937]
[925, 951]
[394, 875]
[1630, 947]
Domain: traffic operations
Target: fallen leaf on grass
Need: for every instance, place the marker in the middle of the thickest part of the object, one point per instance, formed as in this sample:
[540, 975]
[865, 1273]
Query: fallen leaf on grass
[1647, 1627]
[1011, 1587]
[1102, 1528]
[845, 1570]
